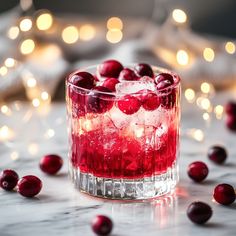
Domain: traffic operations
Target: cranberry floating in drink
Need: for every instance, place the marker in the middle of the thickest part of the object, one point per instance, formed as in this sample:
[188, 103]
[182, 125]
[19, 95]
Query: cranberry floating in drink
[124, 130]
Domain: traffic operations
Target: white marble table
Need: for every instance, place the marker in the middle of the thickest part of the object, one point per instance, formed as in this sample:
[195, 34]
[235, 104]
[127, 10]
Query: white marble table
[61, 210]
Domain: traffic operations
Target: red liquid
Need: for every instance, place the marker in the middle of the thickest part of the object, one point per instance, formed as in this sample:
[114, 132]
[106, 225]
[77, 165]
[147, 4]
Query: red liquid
[105, 151]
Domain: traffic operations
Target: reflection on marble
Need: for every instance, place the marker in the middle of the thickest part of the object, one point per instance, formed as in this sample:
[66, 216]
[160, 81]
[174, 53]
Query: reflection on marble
[61, 210]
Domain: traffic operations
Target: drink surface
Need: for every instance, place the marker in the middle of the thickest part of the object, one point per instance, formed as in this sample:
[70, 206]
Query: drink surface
[129, 133]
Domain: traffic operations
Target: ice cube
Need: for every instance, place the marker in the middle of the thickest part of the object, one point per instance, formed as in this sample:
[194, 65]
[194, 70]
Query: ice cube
[128, 87]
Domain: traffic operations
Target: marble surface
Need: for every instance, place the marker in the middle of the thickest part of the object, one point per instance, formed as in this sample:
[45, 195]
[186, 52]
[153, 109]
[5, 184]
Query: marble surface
[61, 210]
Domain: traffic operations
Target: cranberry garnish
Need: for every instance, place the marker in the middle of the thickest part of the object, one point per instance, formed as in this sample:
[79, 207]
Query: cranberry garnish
[199, 212]
[29, 186]
[129, 104]
[110, 68]
[217, 154]
[110, 83]
[198, 171]
[224, 194]
[230, 108]
[163, 77]
[8, 179]
[144, 69]
[51, 164]
[231, 122]
[150, 101]
[98, 101]
[128, 74]
[83, 79]
[163, 84]
[102, 225]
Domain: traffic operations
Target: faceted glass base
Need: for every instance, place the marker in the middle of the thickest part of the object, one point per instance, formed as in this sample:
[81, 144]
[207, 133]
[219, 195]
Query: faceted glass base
[128, 189]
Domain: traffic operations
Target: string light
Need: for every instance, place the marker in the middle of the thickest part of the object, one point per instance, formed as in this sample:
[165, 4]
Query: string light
[35, 102]
[189, 95]
[209, 54]
[25, 24]
[230, 47]
[5, 110]
[3, 70]
[13, 32]
[5, 133]
[44, 95]
[196, 134]
[205, 87]
[218, 110]
[33, 148]
[179, 16]
[87, 32]
[14, 155]
[114, 36]
[204, 103]
[114, 23]
[44, 21]
[31, 82]
[10, 62]
[206, 116]
[70, 34]
[27, 46]
[182, 57]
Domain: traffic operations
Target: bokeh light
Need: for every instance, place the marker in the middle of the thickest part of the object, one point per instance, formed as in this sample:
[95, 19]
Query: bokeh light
[13, 32]
[114, 36]
[70, 34]
[189, 95]
[44, 21]
[114, 23]
[182, 57]
[179, 16]
[209, 54]
[3, 70]
[27, 46]
[25, 24]
[230, 47]
[87, 32]
[10, 62]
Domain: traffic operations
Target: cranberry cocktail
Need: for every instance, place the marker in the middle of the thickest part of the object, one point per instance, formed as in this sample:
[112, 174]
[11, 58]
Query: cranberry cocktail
[123, 130]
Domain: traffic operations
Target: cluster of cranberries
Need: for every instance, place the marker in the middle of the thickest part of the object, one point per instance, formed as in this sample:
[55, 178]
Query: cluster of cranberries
[200, 212]
[100, 94]
[30, 185]
[230, 110]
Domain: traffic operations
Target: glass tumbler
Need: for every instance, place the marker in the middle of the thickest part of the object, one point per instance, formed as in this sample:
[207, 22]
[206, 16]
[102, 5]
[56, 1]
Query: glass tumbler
[119, 146]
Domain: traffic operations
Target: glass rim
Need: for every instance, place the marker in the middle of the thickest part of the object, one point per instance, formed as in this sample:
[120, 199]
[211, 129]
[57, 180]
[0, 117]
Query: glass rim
[176, 83]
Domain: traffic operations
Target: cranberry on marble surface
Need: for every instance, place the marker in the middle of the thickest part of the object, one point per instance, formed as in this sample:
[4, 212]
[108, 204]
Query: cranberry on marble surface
[230, 108]
[110, 68]
[199, 212]
[143, 69]
[150, 101]
[198, 171]
[51, 164]
[110, 83]
[29, 186]
[217, 154]
[129, 104]
[102, 225]
[224, 194]
[163, 77]
[8, 179]
[99, 100]
[128, 74]
[231, 122]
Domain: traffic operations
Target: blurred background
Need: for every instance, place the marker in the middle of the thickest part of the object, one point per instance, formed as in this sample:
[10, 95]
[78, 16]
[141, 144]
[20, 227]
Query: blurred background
[43, 41]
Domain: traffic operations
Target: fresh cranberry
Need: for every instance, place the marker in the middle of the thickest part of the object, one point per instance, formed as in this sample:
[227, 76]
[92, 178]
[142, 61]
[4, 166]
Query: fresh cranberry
[128, 74]
[217, 154]
[231, 122]
[110, 68]
[163, 77]
[83, 79]
[8, 179]
[110, 83]
[168, 100]
[129, 104]
[144, 69]
[51, 164]
[99, 100]
[163, 84]
[199, 212]
[102, 225]
[150, 101]
[230, 108]
[198, 171]
[224, 194]
[29, 186]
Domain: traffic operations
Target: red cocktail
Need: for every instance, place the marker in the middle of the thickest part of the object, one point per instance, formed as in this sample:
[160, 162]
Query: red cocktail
[123, 130]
